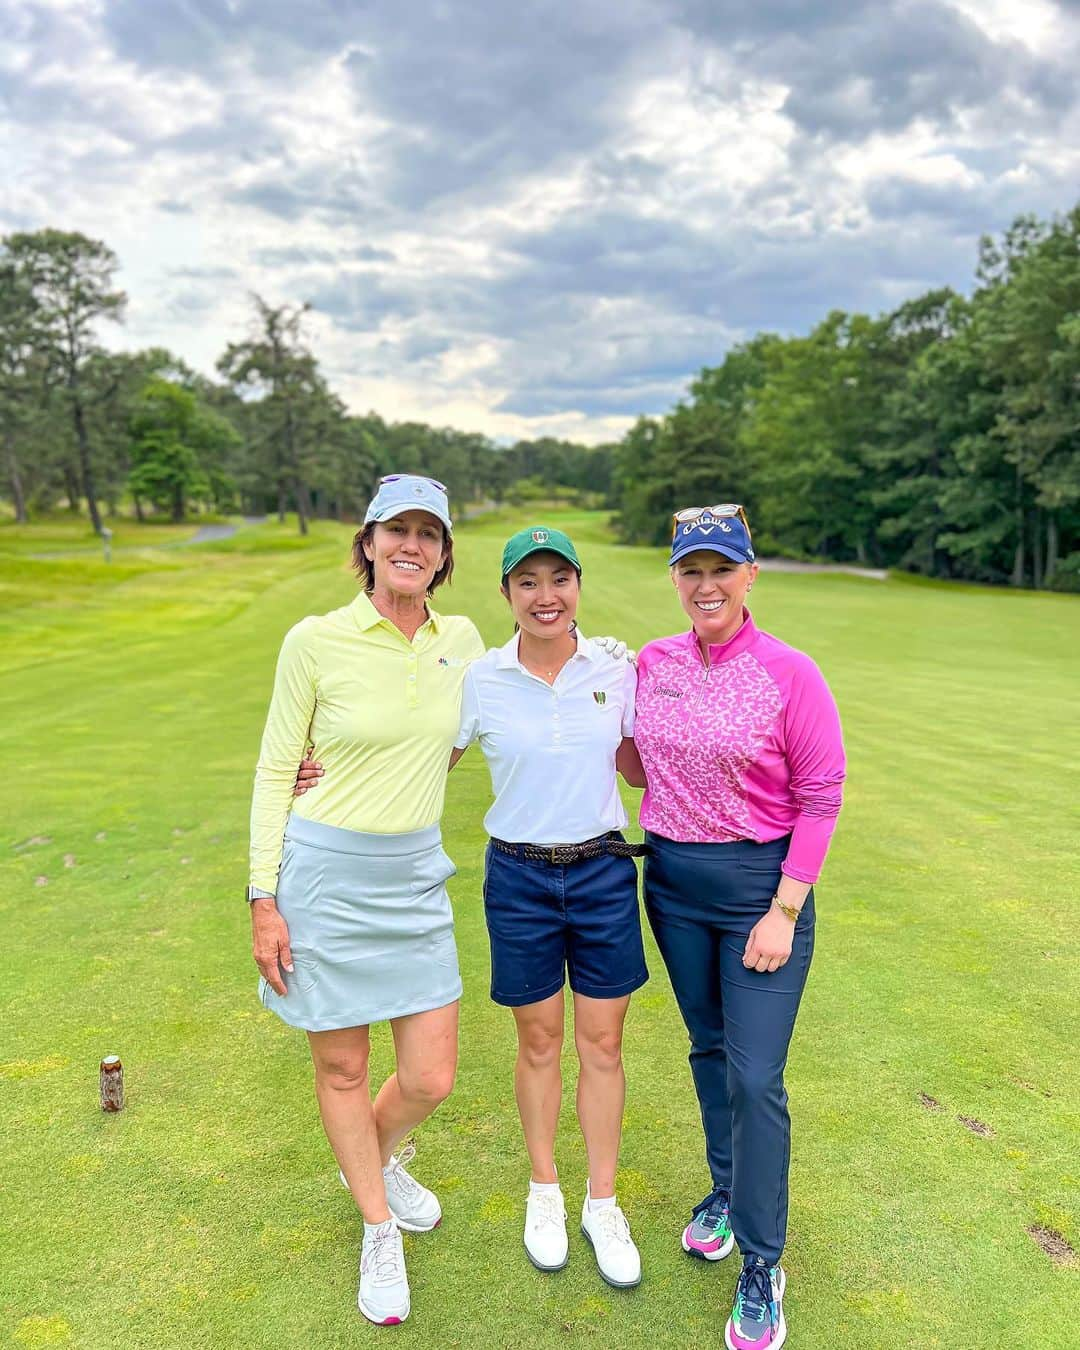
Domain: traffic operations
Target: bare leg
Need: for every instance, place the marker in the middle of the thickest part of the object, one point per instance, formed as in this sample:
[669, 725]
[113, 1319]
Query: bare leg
[538, 1080]
[426, 1046]
[341, 1086]
[601, 1090]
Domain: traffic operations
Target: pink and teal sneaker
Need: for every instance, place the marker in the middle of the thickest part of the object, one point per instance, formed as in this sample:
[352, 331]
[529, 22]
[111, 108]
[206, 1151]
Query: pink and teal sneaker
[757, 1317]
[708, 1234]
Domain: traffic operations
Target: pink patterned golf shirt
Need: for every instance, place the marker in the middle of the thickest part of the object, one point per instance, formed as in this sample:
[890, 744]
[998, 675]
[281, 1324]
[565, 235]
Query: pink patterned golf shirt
[746, 747]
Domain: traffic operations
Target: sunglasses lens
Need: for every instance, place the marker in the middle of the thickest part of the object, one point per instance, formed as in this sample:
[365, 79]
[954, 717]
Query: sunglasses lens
[693, 512]
[396, 477]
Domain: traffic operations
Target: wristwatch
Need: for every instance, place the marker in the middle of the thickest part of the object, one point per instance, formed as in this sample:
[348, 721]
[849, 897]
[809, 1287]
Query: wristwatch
[257, 893]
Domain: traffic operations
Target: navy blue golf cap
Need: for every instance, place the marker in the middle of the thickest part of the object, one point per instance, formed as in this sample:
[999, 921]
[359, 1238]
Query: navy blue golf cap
[726, 535]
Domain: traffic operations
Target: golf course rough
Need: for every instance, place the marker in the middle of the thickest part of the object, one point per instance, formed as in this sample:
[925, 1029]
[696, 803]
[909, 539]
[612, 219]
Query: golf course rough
[208, 1211]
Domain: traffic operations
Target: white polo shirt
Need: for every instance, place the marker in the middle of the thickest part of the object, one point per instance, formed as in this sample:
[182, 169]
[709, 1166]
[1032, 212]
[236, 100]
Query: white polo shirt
[550, 747]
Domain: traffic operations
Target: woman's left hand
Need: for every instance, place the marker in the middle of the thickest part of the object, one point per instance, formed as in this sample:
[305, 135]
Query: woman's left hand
[769, 944]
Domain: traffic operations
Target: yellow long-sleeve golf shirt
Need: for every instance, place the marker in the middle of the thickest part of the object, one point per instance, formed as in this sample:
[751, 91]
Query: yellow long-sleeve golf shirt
[382, 714]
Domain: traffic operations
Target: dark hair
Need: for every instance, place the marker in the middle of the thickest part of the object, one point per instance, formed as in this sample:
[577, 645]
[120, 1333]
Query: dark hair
[365, 568]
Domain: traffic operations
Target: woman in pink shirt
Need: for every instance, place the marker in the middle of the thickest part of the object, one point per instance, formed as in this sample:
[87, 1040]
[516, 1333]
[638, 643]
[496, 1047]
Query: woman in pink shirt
[743, 763]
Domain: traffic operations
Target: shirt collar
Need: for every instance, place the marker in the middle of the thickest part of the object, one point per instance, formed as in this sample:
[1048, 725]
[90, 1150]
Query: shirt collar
[367, 616]
[507, 657]
[588, 649]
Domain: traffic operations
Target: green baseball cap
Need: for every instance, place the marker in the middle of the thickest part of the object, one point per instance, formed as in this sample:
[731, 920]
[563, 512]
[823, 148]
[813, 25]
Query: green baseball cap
[537, 539]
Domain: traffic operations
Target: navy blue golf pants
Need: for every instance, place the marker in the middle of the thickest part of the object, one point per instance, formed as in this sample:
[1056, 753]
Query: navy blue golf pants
[702, 901]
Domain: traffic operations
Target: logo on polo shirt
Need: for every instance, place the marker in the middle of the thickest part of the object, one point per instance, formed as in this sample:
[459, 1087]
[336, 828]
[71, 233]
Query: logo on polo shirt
[665, 692]
[540, 536]
[600, 696]
[452, 661]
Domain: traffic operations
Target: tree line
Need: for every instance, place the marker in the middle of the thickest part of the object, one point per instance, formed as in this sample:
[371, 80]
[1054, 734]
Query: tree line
[942, 438]
[87, 428]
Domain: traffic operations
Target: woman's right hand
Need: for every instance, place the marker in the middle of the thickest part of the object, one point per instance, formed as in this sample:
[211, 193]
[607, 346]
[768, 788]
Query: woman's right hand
[270, 943]
[307, 776]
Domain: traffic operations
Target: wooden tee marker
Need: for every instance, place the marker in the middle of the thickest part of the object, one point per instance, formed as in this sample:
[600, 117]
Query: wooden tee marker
[112, 1084]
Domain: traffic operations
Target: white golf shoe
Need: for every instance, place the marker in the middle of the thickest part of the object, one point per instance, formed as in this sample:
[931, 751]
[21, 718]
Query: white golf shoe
[414, 1207]
[383, 1296]
[545, 1229]
[609, 1233]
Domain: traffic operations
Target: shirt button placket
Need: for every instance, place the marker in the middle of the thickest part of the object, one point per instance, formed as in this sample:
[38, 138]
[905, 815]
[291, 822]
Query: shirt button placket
[410, 681]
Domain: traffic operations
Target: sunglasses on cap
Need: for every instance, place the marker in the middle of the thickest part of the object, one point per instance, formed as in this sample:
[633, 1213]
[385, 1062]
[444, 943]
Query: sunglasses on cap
[690, 513]
[397, 477]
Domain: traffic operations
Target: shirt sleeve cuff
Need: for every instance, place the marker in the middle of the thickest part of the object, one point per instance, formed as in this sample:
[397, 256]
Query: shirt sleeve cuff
[800, 873]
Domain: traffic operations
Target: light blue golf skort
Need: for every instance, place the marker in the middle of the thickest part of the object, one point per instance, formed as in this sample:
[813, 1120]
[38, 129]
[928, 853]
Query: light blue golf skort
[370, 926]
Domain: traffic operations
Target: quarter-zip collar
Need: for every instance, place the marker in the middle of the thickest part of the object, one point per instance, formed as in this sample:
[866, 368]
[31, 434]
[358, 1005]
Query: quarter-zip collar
[719, 652]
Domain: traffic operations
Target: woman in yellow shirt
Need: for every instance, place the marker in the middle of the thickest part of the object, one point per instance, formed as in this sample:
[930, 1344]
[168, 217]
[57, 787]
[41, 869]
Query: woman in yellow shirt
[350, 917]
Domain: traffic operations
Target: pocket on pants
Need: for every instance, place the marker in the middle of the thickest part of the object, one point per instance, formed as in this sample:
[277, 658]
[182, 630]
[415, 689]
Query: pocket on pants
[430, 870]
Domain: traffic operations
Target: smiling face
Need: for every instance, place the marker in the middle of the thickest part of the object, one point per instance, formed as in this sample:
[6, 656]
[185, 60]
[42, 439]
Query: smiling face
[712, 589]
[406, 552]
[543, 591]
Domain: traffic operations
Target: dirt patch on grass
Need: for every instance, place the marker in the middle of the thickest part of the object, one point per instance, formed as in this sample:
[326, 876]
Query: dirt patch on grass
[931, 1103]
[978, 1127]
[1029, 1087]
[1056, 1247]
[35, 841]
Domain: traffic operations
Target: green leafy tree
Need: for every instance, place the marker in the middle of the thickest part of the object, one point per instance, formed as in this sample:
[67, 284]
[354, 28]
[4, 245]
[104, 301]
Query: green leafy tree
[1028, 312]
[926, 409]
[808, 437]
[71, 279]
[290, 399]
[23, 374]
[119, 379]
[178, 448]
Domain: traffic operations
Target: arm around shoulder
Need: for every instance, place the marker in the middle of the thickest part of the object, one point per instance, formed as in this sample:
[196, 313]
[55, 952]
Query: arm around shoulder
[469, 724]
[628, 762]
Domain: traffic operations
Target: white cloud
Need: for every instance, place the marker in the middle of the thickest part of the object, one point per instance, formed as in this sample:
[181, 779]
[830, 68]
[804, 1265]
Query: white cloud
[527, 229]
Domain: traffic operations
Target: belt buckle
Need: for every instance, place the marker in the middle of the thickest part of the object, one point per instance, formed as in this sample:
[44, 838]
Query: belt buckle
[558, 854]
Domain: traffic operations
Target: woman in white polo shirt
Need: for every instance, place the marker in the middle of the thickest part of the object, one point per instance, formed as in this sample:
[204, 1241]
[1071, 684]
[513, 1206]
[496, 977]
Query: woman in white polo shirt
[551, 712]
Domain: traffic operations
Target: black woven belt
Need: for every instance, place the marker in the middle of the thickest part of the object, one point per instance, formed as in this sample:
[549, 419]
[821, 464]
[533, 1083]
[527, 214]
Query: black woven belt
[563, 855]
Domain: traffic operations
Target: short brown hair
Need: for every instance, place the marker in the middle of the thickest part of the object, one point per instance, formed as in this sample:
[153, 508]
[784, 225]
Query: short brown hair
[365, 568]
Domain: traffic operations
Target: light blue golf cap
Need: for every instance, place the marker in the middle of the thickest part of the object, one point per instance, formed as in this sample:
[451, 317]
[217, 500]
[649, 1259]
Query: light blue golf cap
[401, 492]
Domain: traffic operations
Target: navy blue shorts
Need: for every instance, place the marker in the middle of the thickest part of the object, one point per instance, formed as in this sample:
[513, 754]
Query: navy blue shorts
[544, 921]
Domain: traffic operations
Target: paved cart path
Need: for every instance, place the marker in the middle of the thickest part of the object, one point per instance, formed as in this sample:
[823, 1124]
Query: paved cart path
[791, 565]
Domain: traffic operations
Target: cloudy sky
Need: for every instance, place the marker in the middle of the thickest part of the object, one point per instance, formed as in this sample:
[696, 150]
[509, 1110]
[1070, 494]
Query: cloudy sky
[532, 217]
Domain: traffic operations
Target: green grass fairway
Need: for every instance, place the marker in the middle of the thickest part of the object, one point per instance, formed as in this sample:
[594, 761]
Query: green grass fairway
[933, 1078]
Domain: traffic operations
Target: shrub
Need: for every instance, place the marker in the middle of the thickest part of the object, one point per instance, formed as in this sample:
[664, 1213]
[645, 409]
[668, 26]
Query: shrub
[1066, 575]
